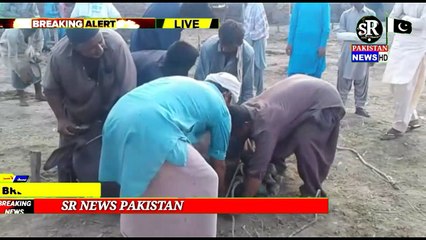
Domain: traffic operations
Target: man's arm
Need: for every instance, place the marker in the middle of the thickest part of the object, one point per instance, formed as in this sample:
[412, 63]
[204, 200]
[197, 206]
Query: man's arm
[34, 11]
[257, 166]
[55, 97]
[397, 11]
[52, 89]
[203, 64]
[220, 132]
[76, 11]
[126, 73]
[12, 50]
[342, 23]
[417, 23]
[37, 40]
[247, 91]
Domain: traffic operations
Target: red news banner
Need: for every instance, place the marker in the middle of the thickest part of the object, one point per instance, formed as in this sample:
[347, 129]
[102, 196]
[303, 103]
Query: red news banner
[165, 206]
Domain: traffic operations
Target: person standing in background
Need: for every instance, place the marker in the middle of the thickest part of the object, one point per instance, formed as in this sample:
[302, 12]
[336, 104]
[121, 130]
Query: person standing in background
[64, 10]
[256, 28]
[406, 68]
[51, 10]
[22, 48]
[19, 10]
[95, 10]
[307, 39]
[356, 73]
[162, 39]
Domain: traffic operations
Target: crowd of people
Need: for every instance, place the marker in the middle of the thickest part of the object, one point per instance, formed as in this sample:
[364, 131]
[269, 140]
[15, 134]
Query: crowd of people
[151, 114]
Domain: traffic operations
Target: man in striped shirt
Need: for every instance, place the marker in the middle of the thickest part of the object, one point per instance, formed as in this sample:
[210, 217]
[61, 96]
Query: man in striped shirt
[256, 28]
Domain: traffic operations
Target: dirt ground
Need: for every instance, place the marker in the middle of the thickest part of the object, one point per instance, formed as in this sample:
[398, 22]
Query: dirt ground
[361, 203]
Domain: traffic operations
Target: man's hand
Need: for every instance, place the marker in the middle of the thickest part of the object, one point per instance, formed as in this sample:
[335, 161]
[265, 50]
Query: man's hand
[288, 50]
[321, 52]
[251, 186]
[220, 168]
[66, 127]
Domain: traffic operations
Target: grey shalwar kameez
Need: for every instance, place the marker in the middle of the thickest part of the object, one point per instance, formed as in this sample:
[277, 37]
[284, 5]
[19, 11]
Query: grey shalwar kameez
[299, 115]
[352, 72]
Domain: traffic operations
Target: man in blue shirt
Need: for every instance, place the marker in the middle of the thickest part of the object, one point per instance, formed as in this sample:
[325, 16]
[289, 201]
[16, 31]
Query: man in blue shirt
[161, 39]
[307, 38]
[155, 124]
[153, 64]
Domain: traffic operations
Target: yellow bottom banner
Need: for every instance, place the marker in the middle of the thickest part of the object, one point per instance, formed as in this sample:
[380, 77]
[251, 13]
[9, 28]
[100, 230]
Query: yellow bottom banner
[47, 190]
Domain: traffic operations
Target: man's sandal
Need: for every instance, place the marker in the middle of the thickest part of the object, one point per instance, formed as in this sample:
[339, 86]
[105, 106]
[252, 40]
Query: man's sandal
[413, 125]
[391, 134]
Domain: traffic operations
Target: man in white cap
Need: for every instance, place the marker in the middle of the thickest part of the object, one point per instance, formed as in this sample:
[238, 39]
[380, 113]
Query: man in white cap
[148, 148]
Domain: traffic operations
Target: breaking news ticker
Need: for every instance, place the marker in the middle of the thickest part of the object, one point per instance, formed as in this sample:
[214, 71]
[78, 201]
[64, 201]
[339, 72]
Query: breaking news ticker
[85, 198]
[110, 23]
[165, 206]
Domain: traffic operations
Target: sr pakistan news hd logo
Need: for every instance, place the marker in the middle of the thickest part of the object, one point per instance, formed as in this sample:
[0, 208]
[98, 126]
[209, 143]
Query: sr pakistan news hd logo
[370, 30]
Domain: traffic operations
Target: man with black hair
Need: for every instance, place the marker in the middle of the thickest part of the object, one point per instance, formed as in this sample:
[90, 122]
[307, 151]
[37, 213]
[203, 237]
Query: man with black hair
[153, 64]
[282, 121]
[228, 52]
[88, 71]
[161, 39]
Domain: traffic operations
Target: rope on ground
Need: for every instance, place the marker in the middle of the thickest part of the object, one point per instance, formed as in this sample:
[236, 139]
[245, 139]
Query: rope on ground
[231, 192]
[414, 207]
[381, 174]
[310, 223]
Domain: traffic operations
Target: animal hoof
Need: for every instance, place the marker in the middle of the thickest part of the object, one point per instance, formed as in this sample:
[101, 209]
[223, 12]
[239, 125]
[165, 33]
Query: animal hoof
[269, 179]
[279, 179]
[274, 190]
[272, 169]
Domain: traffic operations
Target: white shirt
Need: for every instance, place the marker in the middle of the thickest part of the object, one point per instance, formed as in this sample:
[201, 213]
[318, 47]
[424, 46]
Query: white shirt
[256, 24]
[408, 50]
[95, 10]
[414, 13]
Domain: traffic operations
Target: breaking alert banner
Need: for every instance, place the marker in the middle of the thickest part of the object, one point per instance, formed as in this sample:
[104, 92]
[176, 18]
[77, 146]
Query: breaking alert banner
[165, 206]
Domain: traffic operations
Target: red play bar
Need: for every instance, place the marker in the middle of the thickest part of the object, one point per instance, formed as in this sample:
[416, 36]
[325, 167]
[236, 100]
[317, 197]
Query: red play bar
[7, 22]
[142, 22]
[184, 205]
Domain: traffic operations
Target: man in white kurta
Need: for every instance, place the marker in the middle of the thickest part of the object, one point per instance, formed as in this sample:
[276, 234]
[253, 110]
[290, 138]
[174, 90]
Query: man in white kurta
[406, 68]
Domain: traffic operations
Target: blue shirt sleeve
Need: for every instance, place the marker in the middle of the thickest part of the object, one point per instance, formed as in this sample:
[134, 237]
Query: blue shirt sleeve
[220, 131]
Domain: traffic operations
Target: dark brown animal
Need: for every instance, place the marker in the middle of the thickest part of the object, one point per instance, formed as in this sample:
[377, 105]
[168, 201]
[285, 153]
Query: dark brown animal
[79, 161]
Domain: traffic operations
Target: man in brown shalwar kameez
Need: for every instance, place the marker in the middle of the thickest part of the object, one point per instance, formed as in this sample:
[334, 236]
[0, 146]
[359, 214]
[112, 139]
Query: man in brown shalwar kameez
[88, 71]
[299, 115]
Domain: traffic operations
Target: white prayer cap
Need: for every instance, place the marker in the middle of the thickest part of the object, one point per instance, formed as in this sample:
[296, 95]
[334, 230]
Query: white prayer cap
[227, 81]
